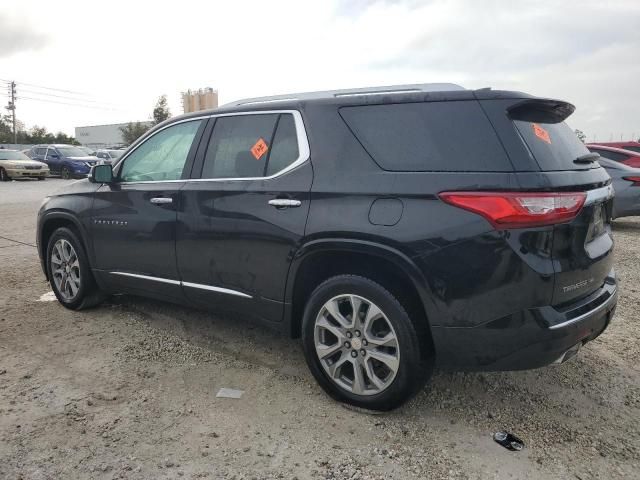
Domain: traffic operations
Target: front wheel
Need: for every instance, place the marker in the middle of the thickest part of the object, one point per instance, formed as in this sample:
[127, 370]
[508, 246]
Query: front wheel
[361, 345]
[69, 272]
[65, 173]
[3, 175]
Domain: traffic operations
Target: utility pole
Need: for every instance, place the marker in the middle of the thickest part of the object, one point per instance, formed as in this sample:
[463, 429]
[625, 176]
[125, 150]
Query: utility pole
[12, 107]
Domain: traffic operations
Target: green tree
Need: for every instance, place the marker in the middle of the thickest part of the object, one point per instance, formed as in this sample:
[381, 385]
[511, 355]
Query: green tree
[34, 135]
[132, 131]
[161, 110]
[6, 132]
[580, 134]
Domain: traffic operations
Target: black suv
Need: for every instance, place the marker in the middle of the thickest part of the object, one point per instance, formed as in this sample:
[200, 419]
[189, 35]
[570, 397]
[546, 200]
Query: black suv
[393, 229]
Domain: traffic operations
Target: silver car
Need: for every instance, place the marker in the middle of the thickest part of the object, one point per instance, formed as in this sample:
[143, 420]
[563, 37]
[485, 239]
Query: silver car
[626, 184]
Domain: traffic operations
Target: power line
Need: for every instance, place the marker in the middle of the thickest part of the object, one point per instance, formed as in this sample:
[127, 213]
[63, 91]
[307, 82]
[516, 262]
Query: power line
[46, 88]
[95, 107]
[42, 94]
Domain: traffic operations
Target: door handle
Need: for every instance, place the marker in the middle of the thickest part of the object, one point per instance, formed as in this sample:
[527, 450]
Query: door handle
[161, 200]
[284, 203]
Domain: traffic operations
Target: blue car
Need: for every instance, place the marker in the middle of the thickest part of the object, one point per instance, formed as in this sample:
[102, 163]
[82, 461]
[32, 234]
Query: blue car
[68, 161]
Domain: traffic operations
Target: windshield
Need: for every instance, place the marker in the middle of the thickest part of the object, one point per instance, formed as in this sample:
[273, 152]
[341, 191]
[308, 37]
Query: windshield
[71, 152]
[10, 155]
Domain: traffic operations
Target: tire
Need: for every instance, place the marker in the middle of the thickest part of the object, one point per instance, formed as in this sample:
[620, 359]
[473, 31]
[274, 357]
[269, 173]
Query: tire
[3, 175]
[86, 294]
[41, 179]
[320, 329]
[65, 173]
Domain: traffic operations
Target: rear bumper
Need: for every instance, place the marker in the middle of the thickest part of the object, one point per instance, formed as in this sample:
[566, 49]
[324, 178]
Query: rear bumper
[528, 339]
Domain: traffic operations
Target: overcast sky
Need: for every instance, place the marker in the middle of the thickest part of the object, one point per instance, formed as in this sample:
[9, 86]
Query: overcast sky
[122, 55]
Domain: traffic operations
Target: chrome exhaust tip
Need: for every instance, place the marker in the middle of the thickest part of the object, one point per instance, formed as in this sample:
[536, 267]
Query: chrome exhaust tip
[570, 353]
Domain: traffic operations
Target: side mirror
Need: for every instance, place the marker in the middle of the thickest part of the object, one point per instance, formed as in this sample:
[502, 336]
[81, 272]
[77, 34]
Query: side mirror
[101, 174]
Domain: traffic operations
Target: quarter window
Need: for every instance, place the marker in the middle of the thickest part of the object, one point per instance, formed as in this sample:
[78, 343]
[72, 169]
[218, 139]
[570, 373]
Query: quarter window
[428, 136]
[251, 146]
[285, 146]
[161, 157]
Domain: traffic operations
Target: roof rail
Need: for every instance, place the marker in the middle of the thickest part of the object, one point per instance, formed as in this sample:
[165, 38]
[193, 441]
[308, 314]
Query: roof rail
[351, 92]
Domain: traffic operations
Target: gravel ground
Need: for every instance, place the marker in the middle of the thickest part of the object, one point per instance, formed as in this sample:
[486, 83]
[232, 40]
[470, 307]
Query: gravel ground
[127, 390]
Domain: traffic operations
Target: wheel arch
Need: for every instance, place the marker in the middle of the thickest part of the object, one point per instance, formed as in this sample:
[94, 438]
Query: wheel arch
[318, 260]
[49, 224]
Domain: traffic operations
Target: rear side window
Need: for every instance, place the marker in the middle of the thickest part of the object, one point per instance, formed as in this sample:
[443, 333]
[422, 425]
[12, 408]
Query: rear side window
[428, 136]
[41, 151]
[251, 146]
[632, 148]
[553, 145]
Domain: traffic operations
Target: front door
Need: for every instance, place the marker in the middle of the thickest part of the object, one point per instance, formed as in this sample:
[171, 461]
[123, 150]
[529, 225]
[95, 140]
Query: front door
[243, 218]
[134, 218]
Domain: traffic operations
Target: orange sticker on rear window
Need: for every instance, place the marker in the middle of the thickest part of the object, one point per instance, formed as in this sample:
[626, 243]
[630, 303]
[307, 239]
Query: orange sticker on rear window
[541, 133]
[259, 149]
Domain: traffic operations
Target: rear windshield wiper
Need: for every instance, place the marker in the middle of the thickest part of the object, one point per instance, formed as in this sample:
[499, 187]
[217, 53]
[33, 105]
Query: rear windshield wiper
[587, 158]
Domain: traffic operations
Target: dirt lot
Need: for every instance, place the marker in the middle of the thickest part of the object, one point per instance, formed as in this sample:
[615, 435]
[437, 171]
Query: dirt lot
[127, 390]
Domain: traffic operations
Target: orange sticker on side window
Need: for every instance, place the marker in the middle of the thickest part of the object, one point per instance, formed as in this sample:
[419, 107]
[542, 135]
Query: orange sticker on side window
[541, 133]
[259, 149]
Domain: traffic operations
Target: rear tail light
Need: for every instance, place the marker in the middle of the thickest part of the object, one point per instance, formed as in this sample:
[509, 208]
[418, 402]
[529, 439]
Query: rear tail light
[506, 210]
[634, 180]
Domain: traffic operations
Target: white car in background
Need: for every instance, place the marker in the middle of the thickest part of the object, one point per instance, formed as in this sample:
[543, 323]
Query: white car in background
[107, 155]
[15, 164]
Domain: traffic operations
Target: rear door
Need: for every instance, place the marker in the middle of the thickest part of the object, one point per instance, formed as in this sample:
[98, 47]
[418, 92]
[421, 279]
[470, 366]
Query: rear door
[245, 212]
[582, 249]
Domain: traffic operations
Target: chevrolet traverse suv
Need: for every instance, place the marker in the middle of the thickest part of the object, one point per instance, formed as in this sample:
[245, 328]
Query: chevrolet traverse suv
[392, 229]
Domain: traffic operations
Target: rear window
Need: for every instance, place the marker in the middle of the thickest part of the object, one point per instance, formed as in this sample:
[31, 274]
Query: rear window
[553, 145]
[428, 136]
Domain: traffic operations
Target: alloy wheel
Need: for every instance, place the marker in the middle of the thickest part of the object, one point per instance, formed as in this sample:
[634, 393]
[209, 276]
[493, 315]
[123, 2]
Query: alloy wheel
[65, 269]
[3, 175]
[65, 174]
[356, 345]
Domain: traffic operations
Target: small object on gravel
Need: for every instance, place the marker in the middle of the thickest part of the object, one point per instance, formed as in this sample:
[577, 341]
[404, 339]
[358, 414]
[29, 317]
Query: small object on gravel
[3, 371]
[229, 393]
[509, 441]
[47, 297]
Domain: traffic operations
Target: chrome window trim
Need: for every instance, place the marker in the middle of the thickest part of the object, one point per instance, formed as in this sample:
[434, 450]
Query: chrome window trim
[201, 286]
[304, 152]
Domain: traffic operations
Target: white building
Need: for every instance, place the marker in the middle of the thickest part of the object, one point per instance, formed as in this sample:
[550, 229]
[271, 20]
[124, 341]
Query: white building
[101, 135]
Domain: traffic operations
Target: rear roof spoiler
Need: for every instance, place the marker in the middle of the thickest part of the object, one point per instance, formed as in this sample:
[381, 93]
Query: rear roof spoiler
[541, 110]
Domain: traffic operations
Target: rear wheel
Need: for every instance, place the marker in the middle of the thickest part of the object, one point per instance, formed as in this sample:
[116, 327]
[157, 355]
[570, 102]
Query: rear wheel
[361, 345]
[41, 178]
[65, 173]
[3, 175]
[69, 273]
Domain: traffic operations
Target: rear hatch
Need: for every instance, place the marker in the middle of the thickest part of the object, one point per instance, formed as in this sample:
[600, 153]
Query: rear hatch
[582, 247]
